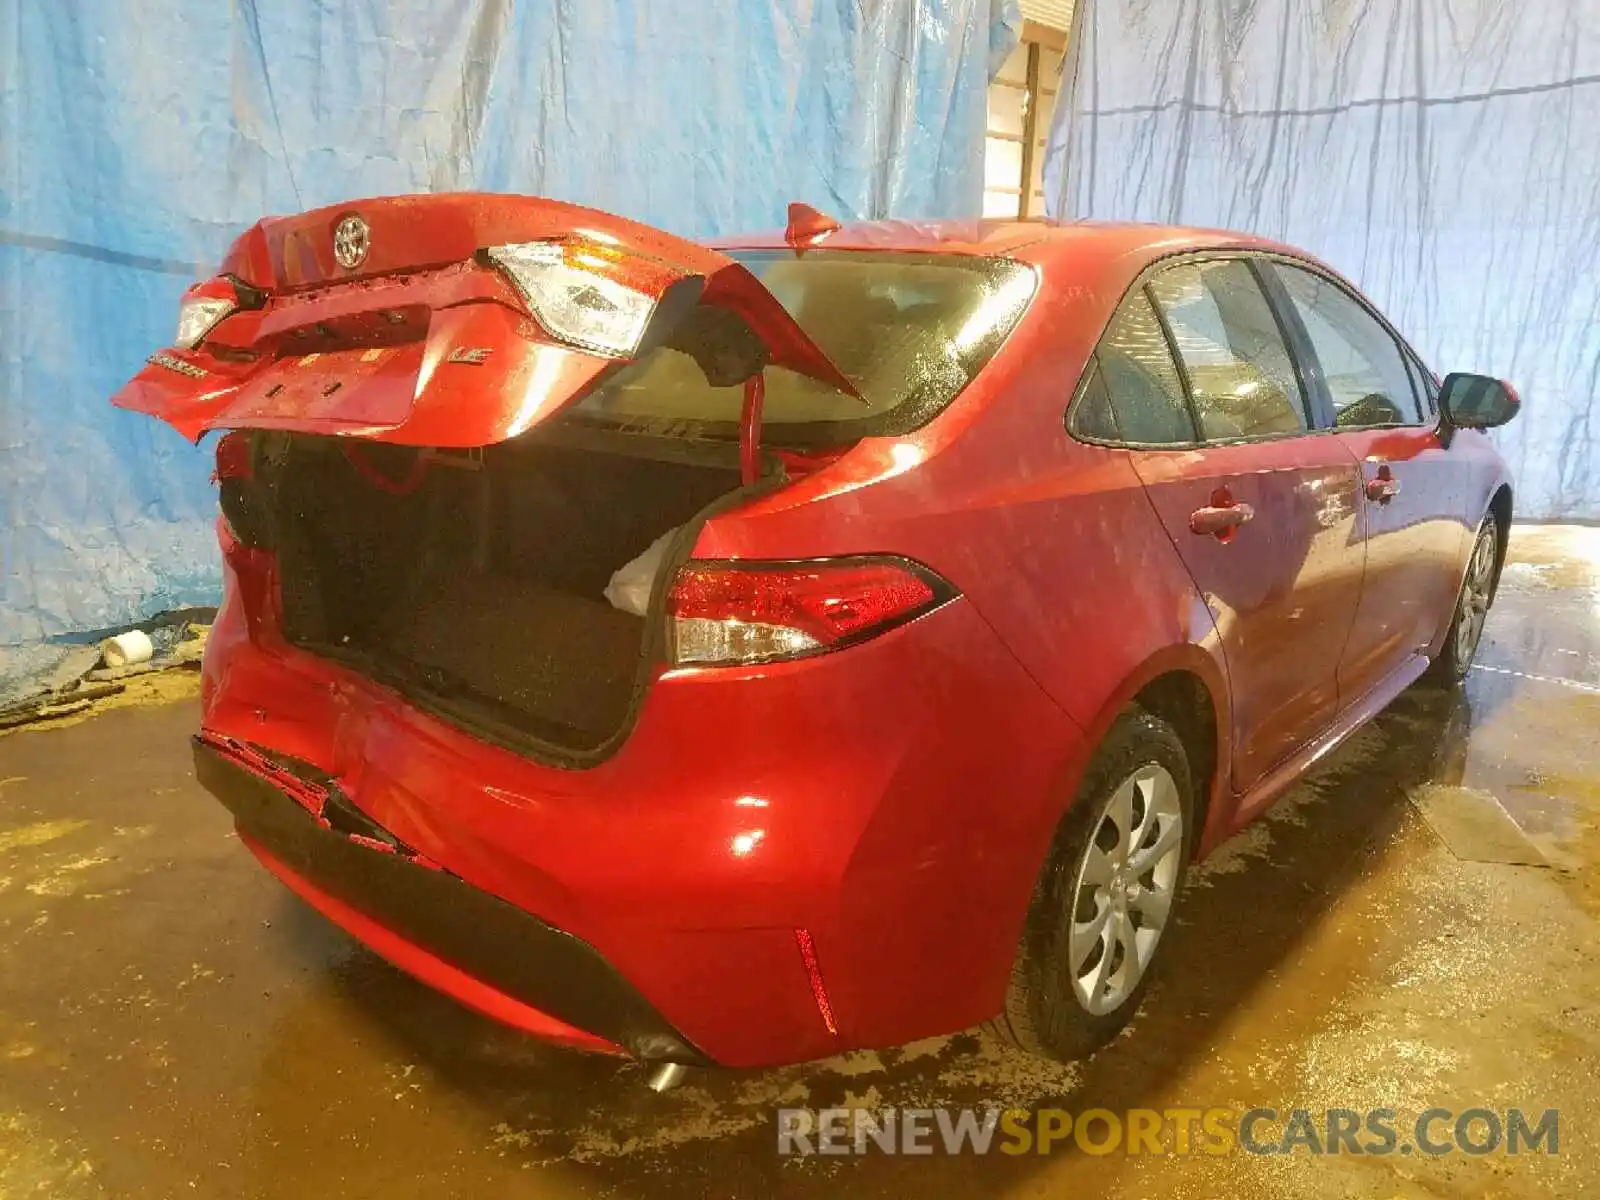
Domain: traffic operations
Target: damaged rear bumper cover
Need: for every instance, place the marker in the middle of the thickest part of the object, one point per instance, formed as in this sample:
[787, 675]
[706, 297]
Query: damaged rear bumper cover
[305, 826]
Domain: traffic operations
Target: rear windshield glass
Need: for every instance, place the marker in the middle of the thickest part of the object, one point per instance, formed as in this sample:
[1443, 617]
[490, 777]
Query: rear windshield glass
[909, 330]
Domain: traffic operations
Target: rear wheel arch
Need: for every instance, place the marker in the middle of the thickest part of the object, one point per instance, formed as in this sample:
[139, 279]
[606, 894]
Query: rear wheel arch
[1183, 681]
[1186, 686]
[1045, 1010]
[1182, 699]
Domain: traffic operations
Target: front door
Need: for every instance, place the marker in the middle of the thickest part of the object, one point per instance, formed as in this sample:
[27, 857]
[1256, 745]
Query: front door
[1411, 498]
[1262, 510]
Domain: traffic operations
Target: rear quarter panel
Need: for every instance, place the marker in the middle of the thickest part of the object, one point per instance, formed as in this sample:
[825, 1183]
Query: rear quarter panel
[1053, 541]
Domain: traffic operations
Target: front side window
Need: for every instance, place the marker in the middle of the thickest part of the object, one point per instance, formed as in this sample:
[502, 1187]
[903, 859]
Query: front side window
[1240, 375]
[1427, 387]
[1366, 372]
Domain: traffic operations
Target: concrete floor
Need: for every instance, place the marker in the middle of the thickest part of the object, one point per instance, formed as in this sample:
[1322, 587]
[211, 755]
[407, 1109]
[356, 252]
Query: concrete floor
[173, 1022]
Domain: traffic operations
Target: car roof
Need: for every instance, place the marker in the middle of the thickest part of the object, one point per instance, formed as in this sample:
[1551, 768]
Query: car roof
[1005, 237]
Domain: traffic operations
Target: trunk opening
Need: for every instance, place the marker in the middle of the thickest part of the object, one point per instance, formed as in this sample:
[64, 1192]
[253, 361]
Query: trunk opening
[473, 582]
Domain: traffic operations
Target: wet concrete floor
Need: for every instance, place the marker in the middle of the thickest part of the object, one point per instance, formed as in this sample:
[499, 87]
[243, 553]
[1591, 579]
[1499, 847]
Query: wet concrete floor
[174, 1023]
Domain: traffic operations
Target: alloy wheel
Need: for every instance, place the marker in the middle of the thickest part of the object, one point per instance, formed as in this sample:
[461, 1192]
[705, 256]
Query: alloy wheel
[1126, 884]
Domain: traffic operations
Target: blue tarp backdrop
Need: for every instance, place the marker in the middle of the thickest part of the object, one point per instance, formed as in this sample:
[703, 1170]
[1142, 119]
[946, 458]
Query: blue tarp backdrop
[137, 140]
[1441, 153]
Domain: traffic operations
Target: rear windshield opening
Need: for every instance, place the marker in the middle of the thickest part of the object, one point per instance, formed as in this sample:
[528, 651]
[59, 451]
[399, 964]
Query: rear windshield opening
[909, 330]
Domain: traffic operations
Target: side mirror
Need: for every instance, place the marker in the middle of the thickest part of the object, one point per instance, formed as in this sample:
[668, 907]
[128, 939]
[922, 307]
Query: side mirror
[1477, 401]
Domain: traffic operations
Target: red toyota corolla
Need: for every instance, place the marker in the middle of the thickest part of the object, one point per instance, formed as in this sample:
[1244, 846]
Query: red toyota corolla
[741, 655]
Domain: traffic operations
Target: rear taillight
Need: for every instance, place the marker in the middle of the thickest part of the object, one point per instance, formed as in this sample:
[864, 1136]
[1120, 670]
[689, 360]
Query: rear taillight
[572, 290]
[206, 305]
[753, 612]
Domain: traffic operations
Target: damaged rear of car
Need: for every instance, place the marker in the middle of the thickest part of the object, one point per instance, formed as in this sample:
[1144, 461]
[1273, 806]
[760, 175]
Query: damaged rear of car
[488, 686]
[381, 450]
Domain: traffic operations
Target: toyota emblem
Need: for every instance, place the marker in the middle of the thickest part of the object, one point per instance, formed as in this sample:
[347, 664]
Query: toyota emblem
[351, 240]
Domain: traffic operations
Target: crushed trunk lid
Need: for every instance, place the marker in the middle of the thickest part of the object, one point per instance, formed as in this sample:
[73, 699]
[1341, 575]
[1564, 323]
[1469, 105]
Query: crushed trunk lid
[453, 321]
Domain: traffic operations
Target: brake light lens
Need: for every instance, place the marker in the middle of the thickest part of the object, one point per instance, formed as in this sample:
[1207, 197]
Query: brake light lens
[198, 316]
[754, 612]
[206, 305]
[569, 290]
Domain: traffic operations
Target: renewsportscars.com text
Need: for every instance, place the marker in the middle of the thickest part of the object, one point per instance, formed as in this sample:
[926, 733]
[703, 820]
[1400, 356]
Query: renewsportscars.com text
[1208, 1131]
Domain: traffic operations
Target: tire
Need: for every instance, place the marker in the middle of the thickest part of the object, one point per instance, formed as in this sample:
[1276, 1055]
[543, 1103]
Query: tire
[1061, 1009]
[1454, 660]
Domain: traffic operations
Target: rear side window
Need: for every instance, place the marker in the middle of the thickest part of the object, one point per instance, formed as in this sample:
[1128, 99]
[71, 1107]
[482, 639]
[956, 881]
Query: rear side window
[909, 330]
[1136, 394]
[1092, 415]
[1240, 375]
[1365, 369]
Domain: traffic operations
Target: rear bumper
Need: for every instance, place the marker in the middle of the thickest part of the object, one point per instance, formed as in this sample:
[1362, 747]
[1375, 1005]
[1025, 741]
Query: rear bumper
[888, 805]
[463, 941]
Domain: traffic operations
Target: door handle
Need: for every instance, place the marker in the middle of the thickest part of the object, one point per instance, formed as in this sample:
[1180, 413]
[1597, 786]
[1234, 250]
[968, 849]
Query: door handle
[1221, 521]
[1383, 487]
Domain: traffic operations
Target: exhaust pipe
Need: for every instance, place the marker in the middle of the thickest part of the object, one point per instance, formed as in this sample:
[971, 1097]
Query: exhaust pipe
[666, 1077]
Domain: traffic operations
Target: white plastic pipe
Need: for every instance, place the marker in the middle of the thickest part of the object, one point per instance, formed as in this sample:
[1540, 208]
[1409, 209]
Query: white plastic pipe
[126, 649]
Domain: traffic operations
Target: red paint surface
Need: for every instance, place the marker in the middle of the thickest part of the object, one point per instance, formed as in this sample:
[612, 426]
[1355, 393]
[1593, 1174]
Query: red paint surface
[396, 381]
[904, 790]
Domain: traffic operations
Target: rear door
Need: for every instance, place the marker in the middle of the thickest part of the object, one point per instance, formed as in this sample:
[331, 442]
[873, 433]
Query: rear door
[1262, 511]
[1411, 497]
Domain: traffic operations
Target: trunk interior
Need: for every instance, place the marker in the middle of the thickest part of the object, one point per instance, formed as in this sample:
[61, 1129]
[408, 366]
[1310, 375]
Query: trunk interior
[475, 583]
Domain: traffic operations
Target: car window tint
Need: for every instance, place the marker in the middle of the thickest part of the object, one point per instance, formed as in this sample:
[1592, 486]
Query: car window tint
[1092, 416]
[1366, 371]
[1240, 373]
[1145, 389]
